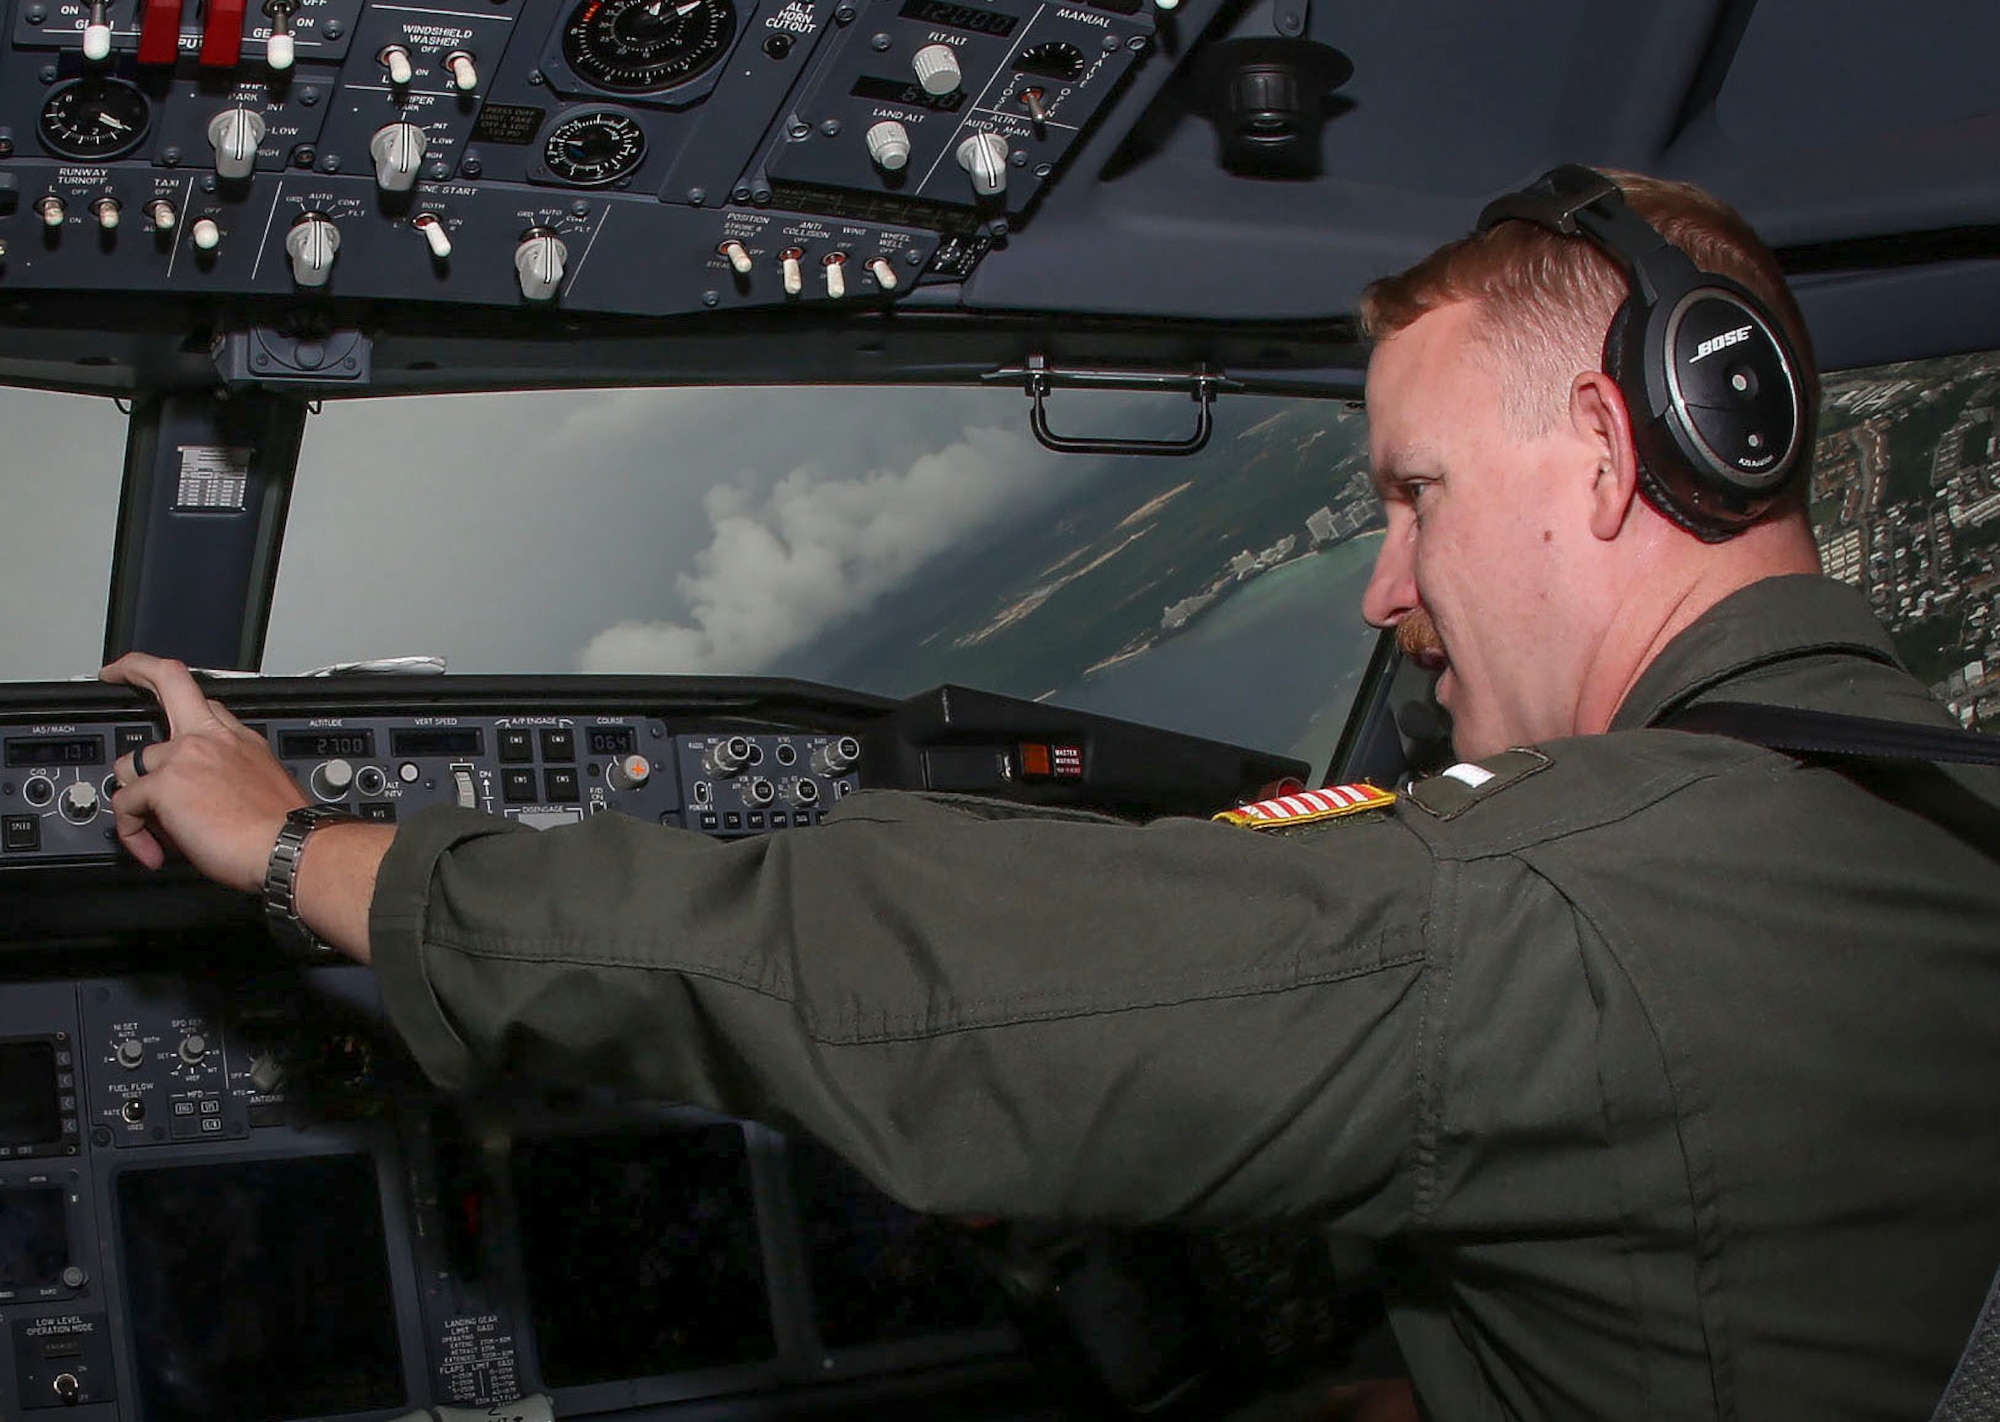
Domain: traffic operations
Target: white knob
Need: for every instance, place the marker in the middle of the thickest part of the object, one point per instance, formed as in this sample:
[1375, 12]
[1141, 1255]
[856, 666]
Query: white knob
[795, 277]
[313, 243]
[984, 156]
[889, 145]
[539, 262]
[836, 276]
[235, 133]
[398, 151]
[207, 236]
[52, 210]
[79, 802]
[739, 256]
[937, 69]
[396, 60]
[281, 50]
[462, 71]
[884, 274]
[330, 779]
[107, 210]
[161, 214]
[434, 233]
[96, 40]
[630, 772]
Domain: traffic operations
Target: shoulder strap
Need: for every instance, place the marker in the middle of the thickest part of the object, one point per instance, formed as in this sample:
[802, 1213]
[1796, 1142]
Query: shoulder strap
[1831, 733]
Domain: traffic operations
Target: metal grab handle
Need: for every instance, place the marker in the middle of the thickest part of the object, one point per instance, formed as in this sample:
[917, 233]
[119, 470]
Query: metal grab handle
[1039, 380]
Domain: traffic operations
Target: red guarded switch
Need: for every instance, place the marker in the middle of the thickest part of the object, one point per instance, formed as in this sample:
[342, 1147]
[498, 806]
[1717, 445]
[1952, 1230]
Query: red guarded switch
[222, 35]
[159, 31]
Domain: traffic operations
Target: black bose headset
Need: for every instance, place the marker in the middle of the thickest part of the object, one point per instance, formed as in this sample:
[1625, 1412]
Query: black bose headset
[1715, 390]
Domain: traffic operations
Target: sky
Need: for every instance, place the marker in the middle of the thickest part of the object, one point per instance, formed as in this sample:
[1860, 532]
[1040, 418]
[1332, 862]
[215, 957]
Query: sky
[603, 531]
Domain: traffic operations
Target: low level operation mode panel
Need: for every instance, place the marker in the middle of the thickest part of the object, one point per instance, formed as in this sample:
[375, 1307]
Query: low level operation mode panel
[56, 777]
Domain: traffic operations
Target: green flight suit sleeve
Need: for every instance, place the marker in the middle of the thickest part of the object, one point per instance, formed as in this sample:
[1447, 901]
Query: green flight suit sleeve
[986, 1009]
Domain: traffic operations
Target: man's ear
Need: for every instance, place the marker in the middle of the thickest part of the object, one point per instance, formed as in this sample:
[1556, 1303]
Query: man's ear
[1599, 419]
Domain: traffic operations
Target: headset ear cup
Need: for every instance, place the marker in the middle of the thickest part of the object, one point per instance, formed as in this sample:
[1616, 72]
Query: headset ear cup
[1628, 368]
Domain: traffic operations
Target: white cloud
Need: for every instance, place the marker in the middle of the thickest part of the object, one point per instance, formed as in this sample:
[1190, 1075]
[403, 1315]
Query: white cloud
[782, 567]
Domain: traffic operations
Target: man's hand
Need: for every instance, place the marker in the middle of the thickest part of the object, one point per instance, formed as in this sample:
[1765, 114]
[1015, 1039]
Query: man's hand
[213, 789]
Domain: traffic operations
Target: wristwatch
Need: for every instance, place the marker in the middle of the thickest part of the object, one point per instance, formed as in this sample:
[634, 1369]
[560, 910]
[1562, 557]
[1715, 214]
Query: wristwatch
[281, 874]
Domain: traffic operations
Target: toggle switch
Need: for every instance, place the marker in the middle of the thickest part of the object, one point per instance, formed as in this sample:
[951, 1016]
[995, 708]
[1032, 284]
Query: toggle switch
[463, 73]
[739, 257]
[106, 210]
[52, 210]
[1031, 100]
[434, 234]
[835, 264]
[97, 32]
[884, 274]
[795, 277]
[160, 213]
[281, 49]
[396, 60]
[207, 236]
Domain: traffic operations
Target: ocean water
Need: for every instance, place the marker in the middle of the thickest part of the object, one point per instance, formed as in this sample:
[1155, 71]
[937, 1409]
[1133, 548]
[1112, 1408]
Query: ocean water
[1275, 665]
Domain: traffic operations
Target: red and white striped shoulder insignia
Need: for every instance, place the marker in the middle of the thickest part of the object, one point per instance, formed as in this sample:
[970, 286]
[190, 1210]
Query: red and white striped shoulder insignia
[1305, 807]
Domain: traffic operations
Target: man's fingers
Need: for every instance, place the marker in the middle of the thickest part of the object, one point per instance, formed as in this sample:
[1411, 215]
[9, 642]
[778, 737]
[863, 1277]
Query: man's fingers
[129, 817]
[169, 682]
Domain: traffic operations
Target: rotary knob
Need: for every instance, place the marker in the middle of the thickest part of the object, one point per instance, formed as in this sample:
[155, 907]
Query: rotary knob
[728, 755]
[235, 134]
[131, 1053]
[331, 779]
[539, 262]
[837, 757]
[630, 772]
[194, 1047]
[937, 69]
[984, 158]
[398, 151]
[78, 802]
[889, 146]
[312, 244]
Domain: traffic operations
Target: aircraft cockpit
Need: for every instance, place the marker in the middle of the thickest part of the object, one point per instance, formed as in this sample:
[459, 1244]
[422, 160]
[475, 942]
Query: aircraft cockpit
[704, 410]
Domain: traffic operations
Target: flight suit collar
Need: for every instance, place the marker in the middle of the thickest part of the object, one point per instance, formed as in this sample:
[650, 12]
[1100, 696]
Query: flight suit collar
[1798, 615]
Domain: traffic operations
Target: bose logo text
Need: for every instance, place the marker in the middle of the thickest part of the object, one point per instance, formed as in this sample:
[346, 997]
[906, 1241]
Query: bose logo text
[1715, 343]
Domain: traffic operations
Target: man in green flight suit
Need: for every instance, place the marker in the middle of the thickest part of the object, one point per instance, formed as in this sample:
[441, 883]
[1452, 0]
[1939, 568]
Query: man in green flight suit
[1670, 1060]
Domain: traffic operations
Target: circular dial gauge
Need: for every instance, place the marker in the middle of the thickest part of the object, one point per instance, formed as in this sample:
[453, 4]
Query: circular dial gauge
[1052, 59]
[643, 46]
[94, 119]
[590, 149]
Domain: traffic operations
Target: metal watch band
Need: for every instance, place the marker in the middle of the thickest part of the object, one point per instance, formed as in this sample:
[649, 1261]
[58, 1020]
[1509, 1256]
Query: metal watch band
[281, 872]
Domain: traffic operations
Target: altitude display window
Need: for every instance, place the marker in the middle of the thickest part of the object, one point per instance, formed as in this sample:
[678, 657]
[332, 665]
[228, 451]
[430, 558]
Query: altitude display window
[642, 1254]
[259, 1290]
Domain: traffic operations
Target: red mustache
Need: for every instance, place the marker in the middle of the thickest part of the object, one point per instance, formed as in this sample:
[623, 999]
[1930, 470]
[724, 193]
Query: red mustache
[1418, 638]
